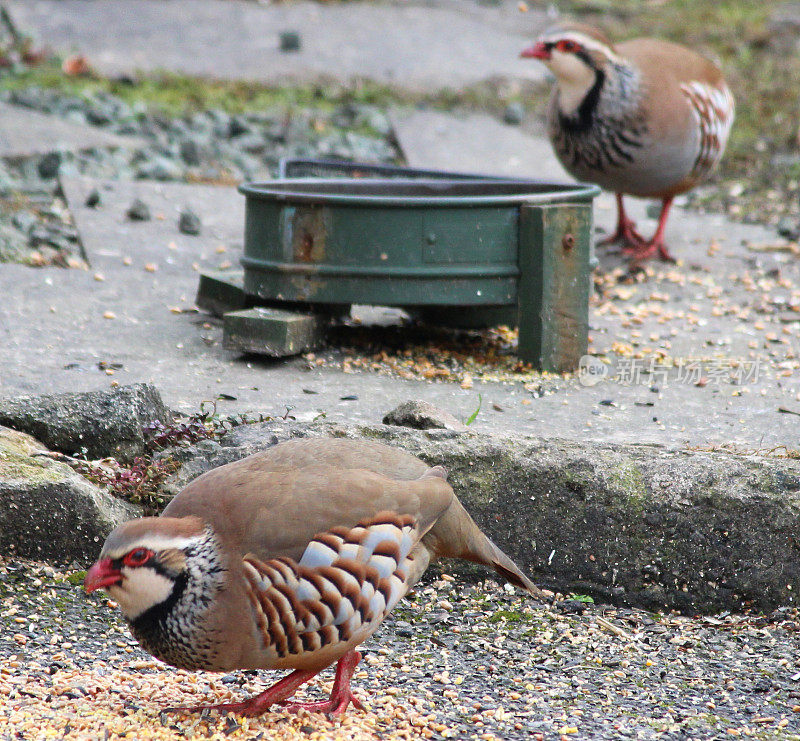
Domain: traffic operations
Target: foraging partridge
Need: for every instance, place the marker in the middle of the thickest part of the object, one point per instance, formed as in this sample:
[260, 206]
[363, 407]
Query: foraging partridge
[288, 559]
[644, 117]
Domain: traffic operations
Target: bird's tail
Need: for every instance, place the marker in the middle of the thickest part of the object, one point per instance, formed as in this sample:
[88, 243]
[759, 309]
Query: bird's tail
[455, 535]
[506, 568]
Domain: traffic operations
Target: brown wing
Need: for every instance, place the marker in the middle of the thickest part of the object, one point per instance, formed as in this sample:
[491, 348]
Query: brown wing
[340, 453]
[273, 503]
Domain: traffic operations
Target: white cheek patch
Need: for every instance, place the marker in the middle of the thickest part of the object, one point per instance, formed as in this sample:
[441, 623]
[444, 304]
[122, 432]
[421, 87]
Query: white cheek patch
[575, 78]
[141, 589]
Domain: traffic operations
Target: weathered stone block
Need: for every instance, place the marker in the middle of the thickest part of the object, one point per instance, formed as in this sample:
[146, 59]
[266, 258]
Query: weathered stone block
[49, 512]
[104, 423]
[272, 332]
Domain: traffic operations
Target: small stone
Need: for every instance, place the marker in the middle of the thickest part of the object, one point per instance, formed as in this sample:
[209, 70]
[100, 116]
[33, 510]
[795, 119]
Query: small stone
[138, 211]
[514, 113]
[100, 115]
[24, 221]
[48, 165]
[190, 152]
[421, 415]
[220, 123]
[571, 607]
[160, 168]
[250, 142]
[404, 629]
[189, 222]
[788, 228]
[93, 199]
[290, 41]
[237, 127]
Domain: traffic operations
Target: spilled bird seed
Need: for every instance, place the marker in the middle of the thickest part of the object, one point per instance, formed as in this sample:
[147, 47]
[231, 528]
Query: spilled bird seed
[526, 671]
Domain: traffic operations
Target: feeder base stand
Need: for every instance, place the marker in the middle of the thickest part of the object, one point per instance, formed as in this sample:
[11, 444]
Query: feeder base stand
[272, 332]
[221, 291]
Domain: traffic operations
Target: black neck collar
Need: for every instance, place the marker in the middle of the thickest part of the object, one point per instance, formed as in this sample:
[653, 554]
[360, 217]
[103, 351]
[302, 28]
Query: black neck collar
[583, 118]
[155, 616]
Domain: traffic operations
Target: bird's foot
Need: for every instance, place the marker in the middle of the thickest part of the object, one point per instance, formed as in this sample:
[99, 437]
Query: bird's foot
[341, 696]
[624, 234]
[627, 238]
[335, 705]
[278, 693]
[644, 250]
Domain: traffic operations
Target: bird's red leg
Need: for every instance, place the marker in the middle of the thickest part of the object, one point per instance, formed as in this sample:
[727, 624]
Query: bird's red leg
[645, 250]
[626, 228]
[257, 704]
[341, 696]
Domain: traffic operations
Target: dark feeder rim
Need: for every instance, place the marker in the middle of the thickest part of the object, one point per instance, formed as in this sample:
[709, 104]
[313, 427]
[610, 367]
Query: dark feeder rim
[395, 192]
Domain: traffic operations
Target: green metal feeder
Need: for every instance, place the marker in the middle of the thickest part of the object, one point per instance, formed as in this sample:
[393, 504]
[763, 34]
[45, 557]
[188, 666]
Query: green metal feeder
[455, 250]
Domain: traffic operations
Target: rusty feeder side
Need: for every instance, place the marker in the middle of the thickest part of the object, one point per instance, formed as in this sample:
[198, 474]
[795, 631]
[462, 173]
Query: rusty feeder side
[459, 251]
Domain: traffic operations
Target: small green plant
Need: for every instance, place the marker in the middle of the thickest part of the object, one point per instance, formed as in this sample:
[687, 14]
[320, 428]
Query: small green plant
[141, 480]
[204, 424]
[581, 598]
[138, 482]
[472, 416]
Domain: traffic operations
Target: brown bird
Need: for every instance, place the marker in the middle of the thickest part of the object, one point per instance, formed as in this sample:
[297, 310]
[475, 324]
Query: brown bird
[645, 117]
[288, 559]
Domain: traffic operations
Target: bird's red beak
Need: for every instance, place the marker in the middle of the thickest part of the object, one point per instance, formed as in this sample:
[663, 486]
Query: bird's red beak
[538, 51]
[102, 574]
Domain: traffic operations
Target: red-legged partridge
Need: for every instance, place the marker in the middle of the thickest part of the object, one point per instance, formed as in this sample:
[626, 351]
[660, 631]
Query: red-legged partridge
[288, 559]
[644, 117]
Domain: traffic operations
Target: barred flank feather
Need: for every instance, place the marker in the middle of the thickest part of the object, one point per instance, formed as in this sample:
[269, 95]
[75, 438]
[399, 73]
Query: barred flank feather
[344, 585]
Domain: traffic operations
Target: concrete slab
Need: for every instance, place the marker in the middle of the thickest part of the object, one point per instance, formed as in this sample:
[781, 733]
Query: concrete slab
[24, 132]
[416, 46]
[474, 143]
[57, 326]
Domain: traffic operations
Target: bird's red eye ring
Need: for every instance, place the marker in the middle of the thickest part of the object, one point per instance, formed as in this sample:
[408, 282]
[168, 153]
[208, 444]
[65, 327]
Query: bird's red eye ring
[567, 45]
[137, 557]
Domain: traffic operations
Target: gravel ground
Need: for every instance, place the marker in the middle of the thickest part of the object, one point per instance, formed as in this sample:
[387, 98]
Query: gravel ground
[454, 660]
[211, 146]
